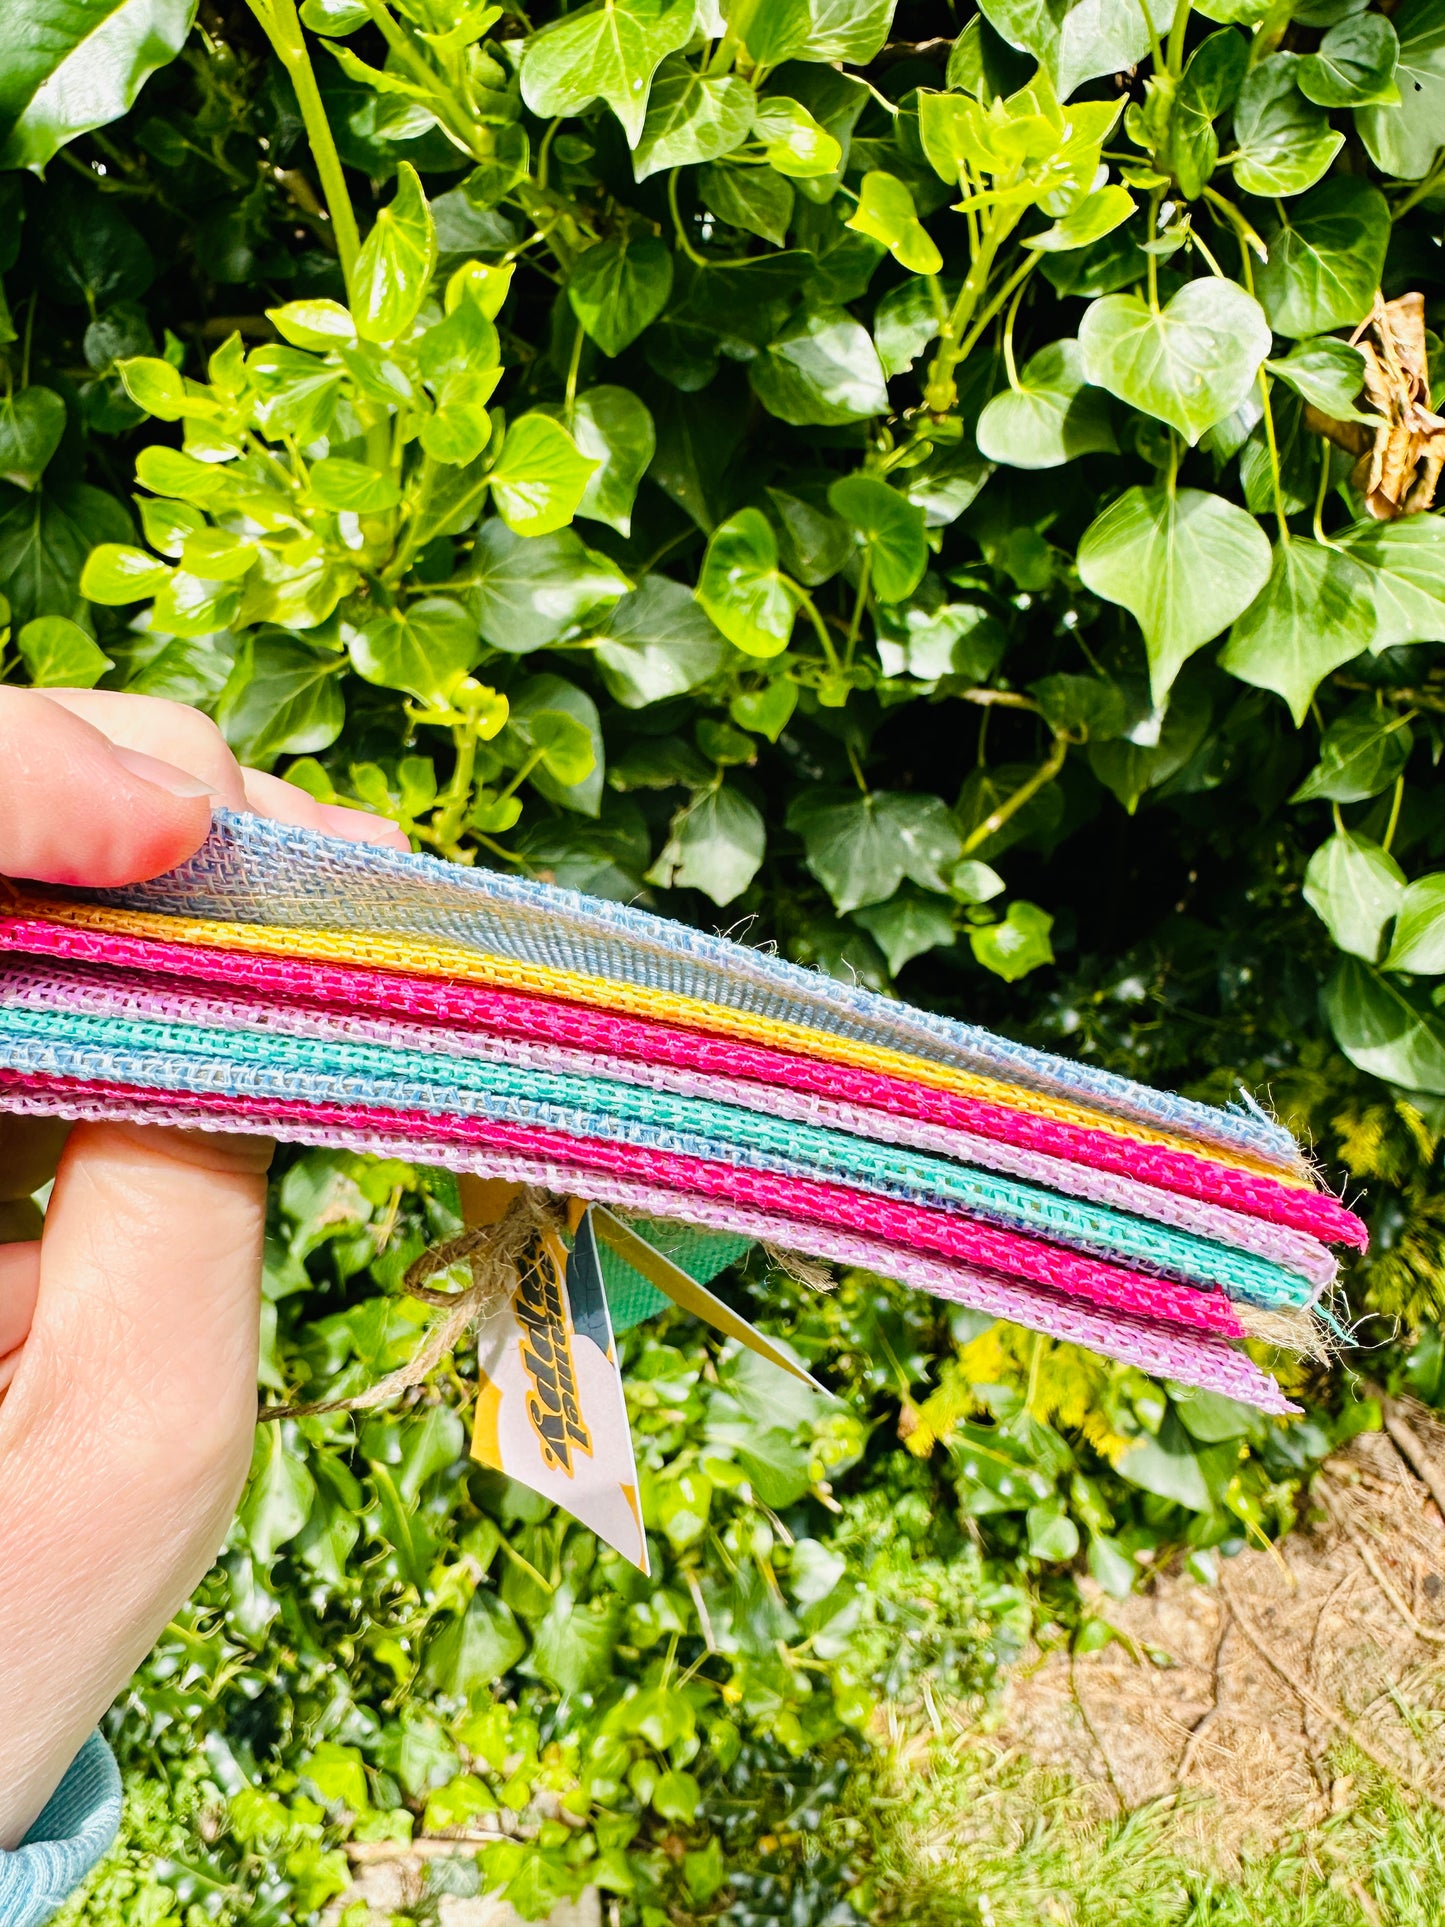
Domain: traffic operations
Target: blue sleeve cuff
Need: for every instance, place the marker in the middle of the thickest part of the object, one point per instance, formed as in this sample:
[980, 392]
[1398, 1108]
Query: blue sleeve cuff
[76, 1828]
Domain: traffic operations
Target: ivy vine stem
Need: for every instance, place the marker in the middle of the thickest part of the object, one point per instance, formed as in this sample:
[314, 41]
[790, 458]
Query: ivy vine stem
[1178, 29]
[1011, 805]
[1274, 469]
[282, 27]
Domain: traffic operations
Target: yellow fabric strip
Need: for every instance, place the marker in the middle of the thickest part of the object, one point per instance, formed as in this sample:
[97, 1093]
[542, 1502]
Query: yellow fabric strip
[427, 958]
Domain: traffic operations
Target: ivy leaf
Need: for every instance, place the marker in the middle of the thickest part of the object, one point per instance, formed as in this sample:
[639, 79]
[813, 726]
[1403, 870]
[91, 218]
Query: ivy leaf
[1381, 1031]
[907, 925]
[1354, 888]
[607, 51]
[540, 476]
[66, 69]
[860, 848]
[956, 639]
[424, 649]
[1052, 1534]
[771, 30]
[742, 588]
[1190, 364]
[1089, 220]
[316, 323]
[904, 322]
[555, 716]
[691, 117]
[1183, 562]
[190, 605]
[1419, 940]
[851, 30]
[1313, 614]
[395, 264]
[767, 710]
[1155, 750]
[613, 429]
[116, 574]
[1207, 88]
[1017, 944]
[813, 543]
[885, 211]
[658, 642]
[822, 369]
[337, 483]
[618, 288]
[472, 1653]
[1050, 417]
[32, 422]
[1284, 142]
[1361, 753]
[89, 253]
[1405, 563]
[530, 590]
[793, 142]
[715, 845]
[279, 1497]
[1326, 258]
[1088, 707]
[45, 537]
[1404, 140]
[282, 698]
[1327, 372]
[1354, 66]
[891, 528]
[756, 199]
[1169, 1467]
[1081, 42]
[58, 654]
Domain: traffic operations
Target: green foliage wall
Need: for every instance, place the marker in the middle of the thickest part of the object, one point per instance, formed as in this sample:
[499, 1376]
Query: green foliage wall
[904, 486]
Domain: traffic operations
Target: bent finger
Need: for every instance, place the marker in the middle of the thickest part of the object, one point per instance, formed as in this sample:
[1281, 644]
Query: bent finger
[74, 810]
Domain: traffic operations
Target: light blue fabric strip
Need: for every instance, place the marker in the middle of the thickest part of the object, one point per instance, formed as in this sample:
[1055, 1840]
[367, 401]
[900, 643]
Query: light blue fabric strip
[190, 1057]
[77, 1827]
[251, 870]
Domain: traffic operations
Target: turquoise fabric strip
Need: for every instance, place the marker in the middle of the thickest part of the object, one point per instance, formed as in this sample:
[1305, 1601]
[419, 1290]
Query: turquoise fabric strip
[78, 1825]
[158, 1056]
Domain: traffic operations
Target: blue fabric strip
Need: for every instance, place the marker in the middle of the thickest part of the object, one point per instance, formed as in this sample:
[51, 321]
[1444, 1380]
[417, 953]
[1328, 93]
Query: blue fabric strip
[252, 870]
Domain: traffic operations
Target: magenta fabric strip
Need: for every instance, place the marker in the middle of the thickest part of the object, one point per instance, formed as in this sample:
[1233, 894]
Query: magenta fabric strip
[1167, 1350]
[513, 1014]
[102, 992]
[807, 1200]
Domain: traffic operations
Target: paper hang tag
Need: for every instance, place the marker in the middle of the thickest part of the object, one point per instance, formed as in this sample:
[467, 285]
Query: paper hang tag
[684, 1290]
[550, 1410]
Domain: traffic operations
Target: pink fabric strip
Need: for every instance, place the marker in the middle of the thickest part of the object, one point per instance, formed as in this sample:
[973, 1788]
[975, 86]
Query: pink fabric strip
[1168, 1351]
[806, 1200]
[82, 987]
[511, 1013]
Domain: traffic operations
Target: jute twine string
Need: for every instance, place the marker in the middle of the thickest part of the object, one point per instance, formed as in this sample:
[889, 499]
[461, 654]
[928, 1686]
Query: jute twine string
[493, 1255]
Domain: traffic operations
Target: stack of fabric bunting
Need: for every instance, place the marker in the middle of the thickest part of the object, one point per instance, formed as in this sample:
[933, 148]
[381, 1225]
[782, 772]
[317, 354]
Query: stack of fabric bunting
[333, 993]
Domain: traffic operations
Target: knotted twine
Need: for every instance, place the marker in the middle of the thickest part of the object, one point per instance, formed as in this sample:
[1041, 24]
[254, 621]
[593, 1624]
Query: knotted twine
[493, 1254]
